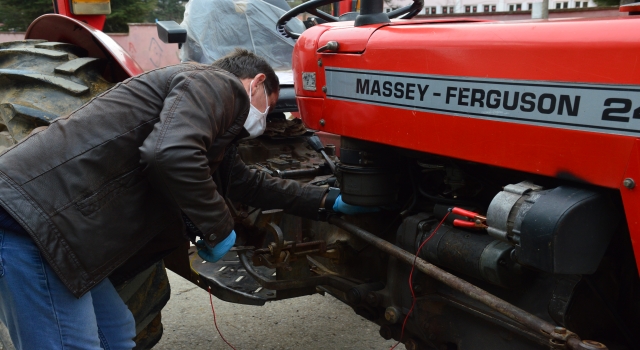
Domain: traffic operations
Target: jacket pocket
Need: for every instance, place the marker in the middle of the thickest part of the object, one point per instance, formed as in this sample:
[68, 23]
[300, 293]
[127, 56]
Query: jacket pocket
[108, 192]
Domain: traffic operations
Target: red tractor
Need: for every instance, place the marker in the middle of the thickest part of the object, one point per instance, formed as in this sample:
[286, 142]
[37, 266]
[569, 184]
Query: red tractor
[502, 156]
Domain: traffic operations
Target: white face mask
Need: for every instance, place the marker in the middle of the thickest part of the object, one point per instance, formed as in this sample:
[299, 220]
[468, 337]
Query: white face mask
[256, 121]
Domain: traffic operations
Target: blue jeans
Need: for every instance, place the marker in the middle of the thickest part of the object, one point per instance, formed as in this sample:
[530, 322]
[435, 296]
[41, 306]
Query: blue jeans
[41, 313]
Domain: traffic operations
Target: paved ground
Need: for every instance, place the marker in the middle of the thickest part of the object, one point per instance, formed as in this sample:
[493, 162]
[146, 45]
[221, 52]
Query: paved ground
[313, 322]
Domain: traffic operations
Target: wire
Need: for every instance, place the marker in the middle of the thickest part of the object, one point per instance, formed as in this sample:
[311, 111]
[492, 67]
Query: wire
[442, 200]
[413, 267]
[215, 322]
[416, 188]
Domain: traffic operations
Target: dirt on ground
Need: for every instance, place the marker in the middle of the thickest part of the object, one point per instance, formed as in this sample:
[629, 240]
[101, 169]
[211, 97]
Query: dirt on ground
[312, 322]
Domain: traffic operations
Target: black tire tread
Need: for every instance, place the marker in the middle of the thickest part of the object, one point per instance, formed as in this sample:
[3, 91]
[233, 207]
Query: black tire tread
[73, 66]
[48, 78]
[61, 83]
[60, 55]
[70, 48]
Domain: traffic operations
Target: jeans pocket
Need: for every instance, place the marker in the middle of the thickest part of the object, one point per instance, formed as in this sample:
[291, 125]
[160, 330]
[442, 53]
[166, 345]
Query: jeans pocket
[1, 248]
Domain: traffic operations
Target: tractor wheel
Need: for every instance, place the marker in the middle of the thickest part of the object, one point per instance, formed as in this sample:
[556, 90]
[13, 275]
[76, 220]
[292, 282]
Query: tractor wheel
[40, 81]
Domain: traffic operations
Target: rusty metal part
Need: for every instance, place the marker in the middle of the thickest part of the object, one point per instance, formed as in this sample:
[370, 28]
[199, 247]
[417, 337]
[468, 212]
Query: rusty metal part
[273, 256]
[276, 247]
[319, 246]
[268, 216]
[288, 157]
[329, 280]
[266, 260]
[392, 314]
[592, 345]
[288, 174]
[411, 344]
[512, 312]
[280, 253]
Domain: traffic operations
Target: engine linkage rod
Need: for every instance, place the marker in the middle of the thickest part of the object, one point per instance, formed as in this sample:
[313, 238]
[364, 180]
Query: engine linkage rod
[559, 337]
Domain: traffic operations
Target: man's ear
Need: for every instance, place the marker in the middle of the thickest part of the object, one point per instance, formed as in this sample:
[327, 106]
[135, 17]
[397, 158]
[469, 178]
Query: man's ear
[259, 79]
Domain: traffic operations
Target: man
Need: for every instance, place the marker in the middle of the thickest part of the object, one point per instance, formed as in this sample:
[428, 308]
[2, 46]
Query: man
[112, 188]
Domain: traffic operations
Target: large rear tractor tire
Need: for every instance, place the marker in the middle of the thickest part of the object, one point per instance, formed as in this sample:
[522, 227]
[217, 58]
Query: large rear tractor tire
[40, 81]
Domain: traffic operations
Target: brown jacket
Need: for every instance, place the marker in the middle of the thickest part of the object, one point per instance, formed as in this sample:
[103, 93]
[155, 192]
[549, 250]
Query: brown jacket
[108, 184]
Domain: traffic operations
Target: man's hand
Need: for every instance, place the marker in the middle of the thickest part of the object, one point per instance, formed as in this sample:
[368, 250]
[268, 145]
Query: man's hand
[216, 253]
[341, 207]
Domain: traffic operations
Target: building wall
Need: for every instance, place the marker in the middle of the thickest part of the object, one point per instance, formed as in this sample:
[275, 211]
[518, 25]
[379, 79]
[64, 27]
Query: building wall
[143, 45]
[591, 12]
[474, 6]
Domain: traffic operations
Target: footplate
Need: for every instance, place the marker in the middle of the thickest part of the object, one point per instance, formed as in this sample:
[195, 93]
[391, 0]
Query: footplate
[229, 280]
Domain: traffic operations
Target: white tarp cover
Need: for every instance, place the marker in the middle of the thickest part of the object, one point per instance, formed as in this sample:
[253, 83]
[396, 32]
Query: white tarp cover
[216, 27]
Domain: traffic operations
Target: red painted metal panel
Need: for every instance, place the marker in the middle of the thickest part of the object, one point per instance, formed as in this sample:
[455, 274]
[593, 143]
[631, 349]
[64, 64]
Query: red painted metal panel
[351, 39]
[345, 6]
[60, 28]
[634, 7]
[305, 59]
[631, 199]
[587, 51]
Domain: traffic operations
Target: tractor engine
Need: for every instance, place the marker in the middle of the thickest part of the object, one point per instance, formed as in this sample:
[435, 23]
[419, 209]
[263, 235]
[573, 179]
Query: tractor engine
[539, 244]
[557, 249]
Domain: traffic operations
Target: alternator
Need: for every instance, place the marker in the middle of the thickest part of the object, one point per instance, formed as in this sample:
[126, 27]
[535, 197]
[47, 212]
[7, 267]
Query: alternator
[562, 230]
[508, 208]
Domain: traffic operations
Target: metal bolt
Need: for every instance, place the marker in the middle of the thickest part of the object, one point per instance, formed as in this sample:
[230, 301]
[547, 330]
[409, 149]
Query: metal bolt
[324, 89]
[411, 344]
[319, 63]
[332, 45]
[322, 122]
[629, 183]
[592, 345]
[212, 237]
[392, 314]
[560, 330]
[371, 298]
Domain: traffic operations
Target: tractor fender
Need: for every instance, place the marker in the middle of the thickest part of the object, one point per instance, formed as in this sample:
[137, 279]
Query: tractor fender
[58, 28]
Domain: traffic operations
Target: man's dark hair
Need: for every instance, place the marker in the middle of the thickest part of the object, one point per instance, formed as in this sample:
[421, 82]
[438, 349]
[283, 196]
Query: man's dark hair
[246, 65]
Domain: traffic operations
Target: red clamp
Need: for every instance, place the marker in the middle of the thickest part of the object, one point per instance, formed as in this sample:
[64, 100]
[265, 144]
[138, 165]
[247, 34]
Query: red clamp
[479, 221]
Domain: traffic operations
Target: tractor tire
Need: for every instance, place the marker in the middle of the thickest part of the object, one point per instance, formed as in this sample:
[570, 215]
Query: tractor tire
[39, 82]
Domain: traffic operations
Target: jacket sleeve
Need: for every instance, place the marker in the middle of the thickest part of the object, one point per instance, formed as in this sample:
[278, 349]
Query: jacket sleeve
[200, 104]
[258, 189]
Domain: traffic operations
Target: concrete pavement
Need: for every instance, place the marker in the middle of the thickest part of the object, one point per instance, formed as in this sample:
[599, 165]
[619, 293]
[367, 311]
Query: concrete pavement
[312, 322]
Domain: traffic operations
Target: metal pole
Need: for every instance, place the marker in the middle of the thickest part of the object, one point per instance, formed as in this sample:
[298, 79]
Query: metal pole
[540, 10]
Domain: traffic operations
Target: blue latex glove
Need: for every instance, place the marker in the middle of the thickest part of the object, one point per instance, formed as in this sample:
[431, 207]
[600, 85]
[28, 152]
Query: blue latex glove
[341, 207]
[216, 253]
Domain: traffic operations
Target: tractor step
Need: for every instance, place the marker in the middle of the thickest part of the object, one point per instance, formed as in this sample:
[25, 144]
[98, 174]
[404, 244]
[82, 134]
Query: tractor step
[229, 280]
